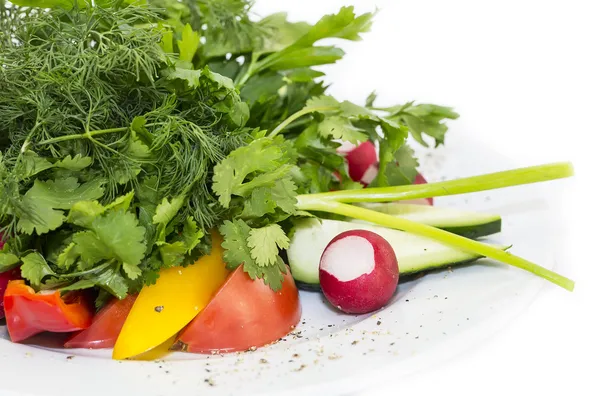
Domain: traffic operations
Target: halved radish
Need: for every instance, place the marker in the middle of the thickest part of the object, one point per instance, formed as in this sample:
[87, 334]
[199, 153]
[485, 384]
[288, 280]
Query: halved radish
[419, 179]
[362, 163]
[358, 271]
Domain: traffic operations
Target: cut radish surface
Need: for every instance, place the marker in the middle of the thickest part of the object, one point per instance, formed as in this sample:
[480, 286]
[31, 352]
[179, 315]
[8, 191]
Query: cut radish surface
[348, 258]
[362, 163]
[358, 271]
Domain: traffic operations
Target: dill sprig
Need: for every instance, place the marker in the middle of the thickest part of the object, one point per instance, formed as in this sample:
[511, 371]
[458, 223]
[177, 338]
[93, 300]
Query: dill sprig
[90, 99]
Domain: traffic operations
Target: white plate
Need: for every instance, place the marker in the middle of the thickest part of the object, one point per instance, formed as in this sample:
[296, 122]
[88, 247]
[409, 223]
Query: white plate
[430, 319]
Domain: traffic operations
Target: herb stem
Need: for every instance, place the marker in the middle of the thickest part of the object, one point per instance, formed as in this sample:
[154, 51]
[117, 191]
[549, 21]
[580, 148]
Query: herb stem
[90, 271]
[312, 203]
[490, 181]
[87, 135]
[297, 115]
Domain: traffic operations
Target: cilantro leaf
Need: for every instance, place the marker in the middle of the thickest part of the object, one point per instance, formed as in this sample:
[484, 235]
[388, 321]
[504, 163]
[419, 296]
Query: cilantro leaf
[76, 163]
[341, 128]
[192, 234]
[235, 236]
[121, 233]
[265, 243]
[35, 268]
[165, 212]
[272, 159]
[90, 249]
[68, 256]
[63, 193]
[112, 281]
[8, 261]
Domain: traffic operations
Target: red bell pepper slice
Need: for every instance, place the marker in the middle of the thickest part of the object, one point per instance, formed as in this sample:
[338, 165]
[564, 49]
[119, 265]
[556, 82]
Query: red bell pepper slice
[244, 313]
[106, 326]
[29, 313]
[6, 277]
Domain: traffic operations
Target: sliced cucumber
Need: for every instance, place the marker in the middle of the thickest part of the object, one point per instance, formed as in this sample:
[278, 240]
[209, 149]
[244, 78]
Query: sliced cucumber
[414, 253]
[468, 224]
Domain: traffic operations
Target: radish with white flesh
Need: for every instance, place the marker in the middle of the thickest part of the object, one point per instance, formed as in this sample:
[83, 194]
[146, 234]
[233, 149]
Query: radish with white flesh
[362, 163]
[358, 271]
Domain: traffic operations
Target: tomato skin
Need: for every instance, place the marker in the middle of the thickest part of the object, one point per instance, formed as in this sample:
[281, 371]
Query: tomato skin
[6, 277]
[105, 327]
[29, 313]
[244, 313]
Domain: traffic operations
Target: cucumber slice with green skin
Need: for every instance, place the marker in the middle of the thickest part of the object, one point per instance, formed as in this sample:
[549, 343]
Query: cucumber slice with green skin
[415, 254]
[468, 224]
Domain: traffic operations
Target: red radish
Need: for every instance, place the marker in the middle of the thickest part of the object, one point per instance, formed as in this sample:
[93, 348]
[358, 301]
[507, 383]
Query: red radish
[358, 271]
[419, 179]
[362, 163]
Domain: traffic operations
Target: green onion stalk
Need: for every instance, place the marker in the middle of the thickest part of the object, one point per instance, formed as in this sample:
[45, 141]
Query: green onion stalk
[337, 202]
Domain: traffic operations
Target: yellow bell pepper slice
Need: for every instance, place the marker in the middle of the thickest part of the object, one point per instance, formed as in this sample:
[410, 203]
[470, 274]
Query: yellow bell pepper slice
[163, 309]
[159, 352]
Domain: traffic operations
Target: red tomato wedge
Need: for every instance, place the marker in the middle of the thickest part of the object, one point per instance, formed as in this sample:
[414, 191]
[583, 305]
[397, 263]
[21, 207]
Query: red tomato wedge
[244, 314]
[106, 326]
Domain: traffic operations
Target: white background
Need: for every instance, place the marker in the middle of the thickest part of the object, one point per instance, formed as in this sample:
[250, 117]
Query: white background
[525, 77]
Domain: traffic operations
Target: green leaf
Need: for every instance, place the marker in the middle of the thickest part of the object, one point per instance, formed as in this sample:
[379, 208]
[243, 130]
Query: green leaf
[31, 164]
[303, 75]
[35, 268]
[8, 261]
[68, 257]
[236, 251]
[91, 249]
[172, 254]
[132, 271]
[63, 193]
[112, 281]
[284, 195]
[403, 169]
[166, 43]
[165, 212]
[280, 32]
[263, 155]
[340, 128]
[188, 45]
[345, 25]
[64, 4]
[192, 234]
[83, 213]
[121, 203]
[265, 243]
[76, 163]
[260, 203]
[79, 285]
[307, 57]
[121, 233]
[39, 218]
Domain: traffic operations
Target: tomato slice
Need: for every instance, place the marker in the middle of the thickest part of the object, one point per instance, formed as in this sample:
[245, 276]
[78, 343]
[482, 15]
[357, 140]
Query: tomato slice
[244, 313]
[106, 326]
